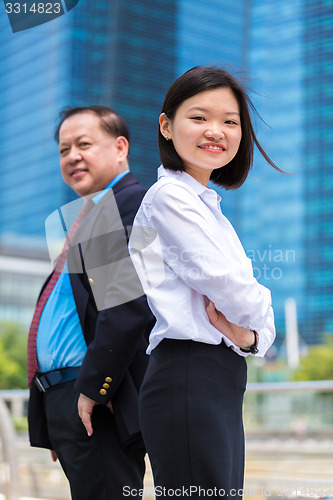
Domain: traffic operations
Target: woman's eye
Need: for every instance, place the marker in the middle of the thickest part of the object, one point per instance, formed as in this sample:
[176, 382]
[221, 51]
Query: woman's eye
[201, 118]
[231, 122]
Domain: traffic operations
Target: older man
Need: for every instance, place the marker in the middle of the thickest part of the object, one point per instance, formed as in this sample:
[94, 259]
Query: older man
[87, 340]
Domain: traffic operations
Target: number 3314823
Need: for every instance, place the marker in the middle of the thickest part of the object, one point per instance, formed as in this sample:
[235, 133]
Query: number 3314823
[35, 8]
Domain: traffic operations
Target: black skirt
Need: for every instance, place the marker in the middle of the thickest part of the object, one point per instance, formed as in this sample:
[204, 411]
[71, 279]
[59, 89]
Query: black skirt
[191, 417]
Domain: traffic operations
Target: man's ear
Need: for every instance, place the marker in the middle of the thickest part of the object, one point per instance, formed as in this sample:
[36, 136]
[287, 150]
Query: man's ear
[122, 146]
[164, 122]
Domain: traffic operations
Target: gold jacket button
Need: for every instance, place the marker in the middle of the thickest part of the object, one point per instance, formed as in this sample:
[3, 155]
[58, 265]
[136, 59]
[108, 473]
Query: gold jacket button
[91, 281]
[106, 386]
[103, 392]
[108, 379]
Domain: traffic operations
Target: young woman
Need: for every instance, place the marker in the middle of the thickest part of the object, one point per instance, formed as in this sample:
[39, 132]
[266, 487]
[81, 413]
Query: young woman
[210, 310]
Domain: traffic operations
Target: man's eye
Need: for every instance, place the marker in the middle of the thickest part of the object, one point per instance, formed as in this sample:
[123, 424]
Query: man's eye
[84, 144]
[63, 151]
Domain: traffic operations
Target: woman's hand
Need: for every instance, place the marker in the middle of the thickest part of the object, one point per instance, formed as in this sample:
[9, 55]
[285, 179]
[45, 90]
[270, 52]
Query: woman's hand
[242, 337]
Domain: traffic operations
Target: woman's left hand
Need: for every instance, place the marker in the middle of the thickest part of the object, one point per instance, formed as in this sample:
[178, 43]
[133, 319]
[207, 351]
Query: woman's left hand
[242, 337]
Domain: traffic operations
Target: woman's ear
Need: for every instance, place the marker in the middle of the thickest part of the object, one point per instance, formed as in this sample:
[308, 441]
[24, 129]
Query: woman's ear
[164, 122]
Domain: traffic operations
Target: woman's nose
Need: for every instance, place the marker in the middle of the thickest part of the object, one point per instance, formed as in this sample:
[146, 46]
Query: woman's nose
[215, 133]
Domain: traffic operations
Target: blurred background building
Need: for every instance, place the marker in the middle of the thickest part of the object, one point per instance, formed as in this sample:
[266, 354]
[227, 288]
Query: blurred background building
[125, 54]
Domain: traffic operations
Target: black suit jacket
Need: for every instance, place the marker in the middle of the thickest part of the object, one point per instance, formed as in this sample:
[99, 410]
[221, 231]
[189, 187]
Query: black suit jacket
[113, 313]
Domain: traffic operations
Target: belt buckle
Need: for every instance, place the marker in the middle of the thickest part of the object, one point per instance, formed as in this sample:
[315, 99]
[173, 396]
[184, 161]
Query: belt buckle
[39, 384]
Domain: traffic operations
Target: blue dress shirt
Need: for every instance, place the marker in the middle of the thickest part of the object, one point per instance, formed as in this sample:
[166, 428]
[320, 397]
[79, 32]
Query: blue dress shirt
[60, 341]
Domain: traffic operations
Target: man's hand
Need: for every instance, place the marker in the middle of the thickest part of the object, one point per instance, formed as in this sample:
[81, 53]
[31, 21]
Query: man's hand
[85, 407]
[242, 337]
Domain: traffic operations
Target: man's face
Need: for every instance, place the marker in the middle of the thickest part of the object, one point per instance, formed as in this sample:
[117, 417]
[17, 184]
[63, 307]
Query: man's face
[89, 157]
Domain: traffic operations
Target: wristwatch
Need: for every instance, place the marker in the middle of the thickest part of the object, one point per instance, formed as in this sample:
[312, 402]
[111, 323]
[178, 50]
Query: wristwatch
[254, 348]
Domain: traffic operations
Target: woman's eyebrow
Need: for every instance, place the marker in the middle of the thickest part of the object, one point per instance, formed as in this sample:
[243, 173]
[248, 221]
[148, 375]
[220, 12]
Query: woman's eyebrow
[198, 108]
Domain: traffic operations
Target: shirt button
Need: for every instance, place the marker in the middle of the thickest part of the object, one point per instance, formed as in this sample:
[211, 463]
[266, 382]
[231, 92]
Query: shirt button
[103, 392]
[108, 379]
[106, 386]
[91, 281]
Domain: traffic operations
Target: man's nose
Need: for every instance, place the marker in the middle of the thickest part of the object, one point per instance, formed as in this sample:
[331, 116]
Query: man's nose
[74, 154]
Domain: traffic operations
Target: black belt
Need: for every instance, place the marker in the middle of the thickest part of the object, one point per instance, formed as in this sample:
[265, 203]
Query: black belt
[47, 380]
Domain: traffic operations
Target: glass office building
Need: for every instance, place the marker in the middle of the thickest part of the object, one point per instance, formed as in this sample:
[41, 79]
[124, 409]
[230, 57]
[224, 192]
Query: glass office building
[286, 221]
[125, 54]
[99, 53]
[270, 212]
[318, 164]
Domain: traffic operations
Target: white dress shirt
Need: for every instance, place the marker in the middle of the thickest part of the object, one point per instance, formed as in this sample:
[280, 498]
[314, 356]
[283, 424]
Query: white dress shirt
[185, 250]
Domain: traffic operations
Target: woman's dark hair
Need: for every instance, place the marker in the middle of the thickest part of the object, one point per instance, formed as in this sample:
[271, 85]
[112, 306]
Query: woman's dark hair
[110, 121]
[194, 81]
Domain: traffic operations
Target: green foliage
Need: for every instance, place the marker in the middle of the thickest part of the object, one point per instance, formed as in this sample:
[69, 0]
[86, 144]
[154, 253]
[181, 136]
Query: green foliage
[20, 424]
[318, 363]
[13, 353]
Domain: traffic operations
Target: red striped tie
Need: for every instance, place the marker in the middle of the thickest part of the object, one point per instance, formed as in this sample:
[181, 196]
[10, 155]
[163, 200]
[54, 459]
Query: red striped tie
[32, 337]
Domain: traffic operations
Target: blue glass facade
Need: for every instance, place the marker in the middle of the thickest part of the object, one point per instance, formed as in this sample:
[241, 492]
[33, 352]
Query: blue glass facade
[285, 222]
[120, 54]
[125, 54]
[214, 34]
[32, 85]
[318, 164]
[270, 215]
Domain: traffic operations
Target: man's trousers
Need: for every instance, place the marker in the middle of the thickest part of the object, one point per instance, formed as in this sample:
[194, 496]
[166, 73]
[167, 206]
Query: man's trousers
[97, 467]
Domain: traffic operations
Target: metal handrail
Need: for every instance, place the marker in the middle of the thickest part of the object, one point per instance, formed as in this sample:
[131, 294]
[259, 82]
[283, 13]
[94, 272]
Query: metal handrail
[8, 438]
[309, 386]
[252, 387]
[8, 435]
[12, 394]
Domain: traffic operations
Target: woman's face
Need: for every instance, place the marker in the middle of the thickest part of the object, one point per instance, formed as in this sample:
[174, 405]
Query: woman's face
[206, 131]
